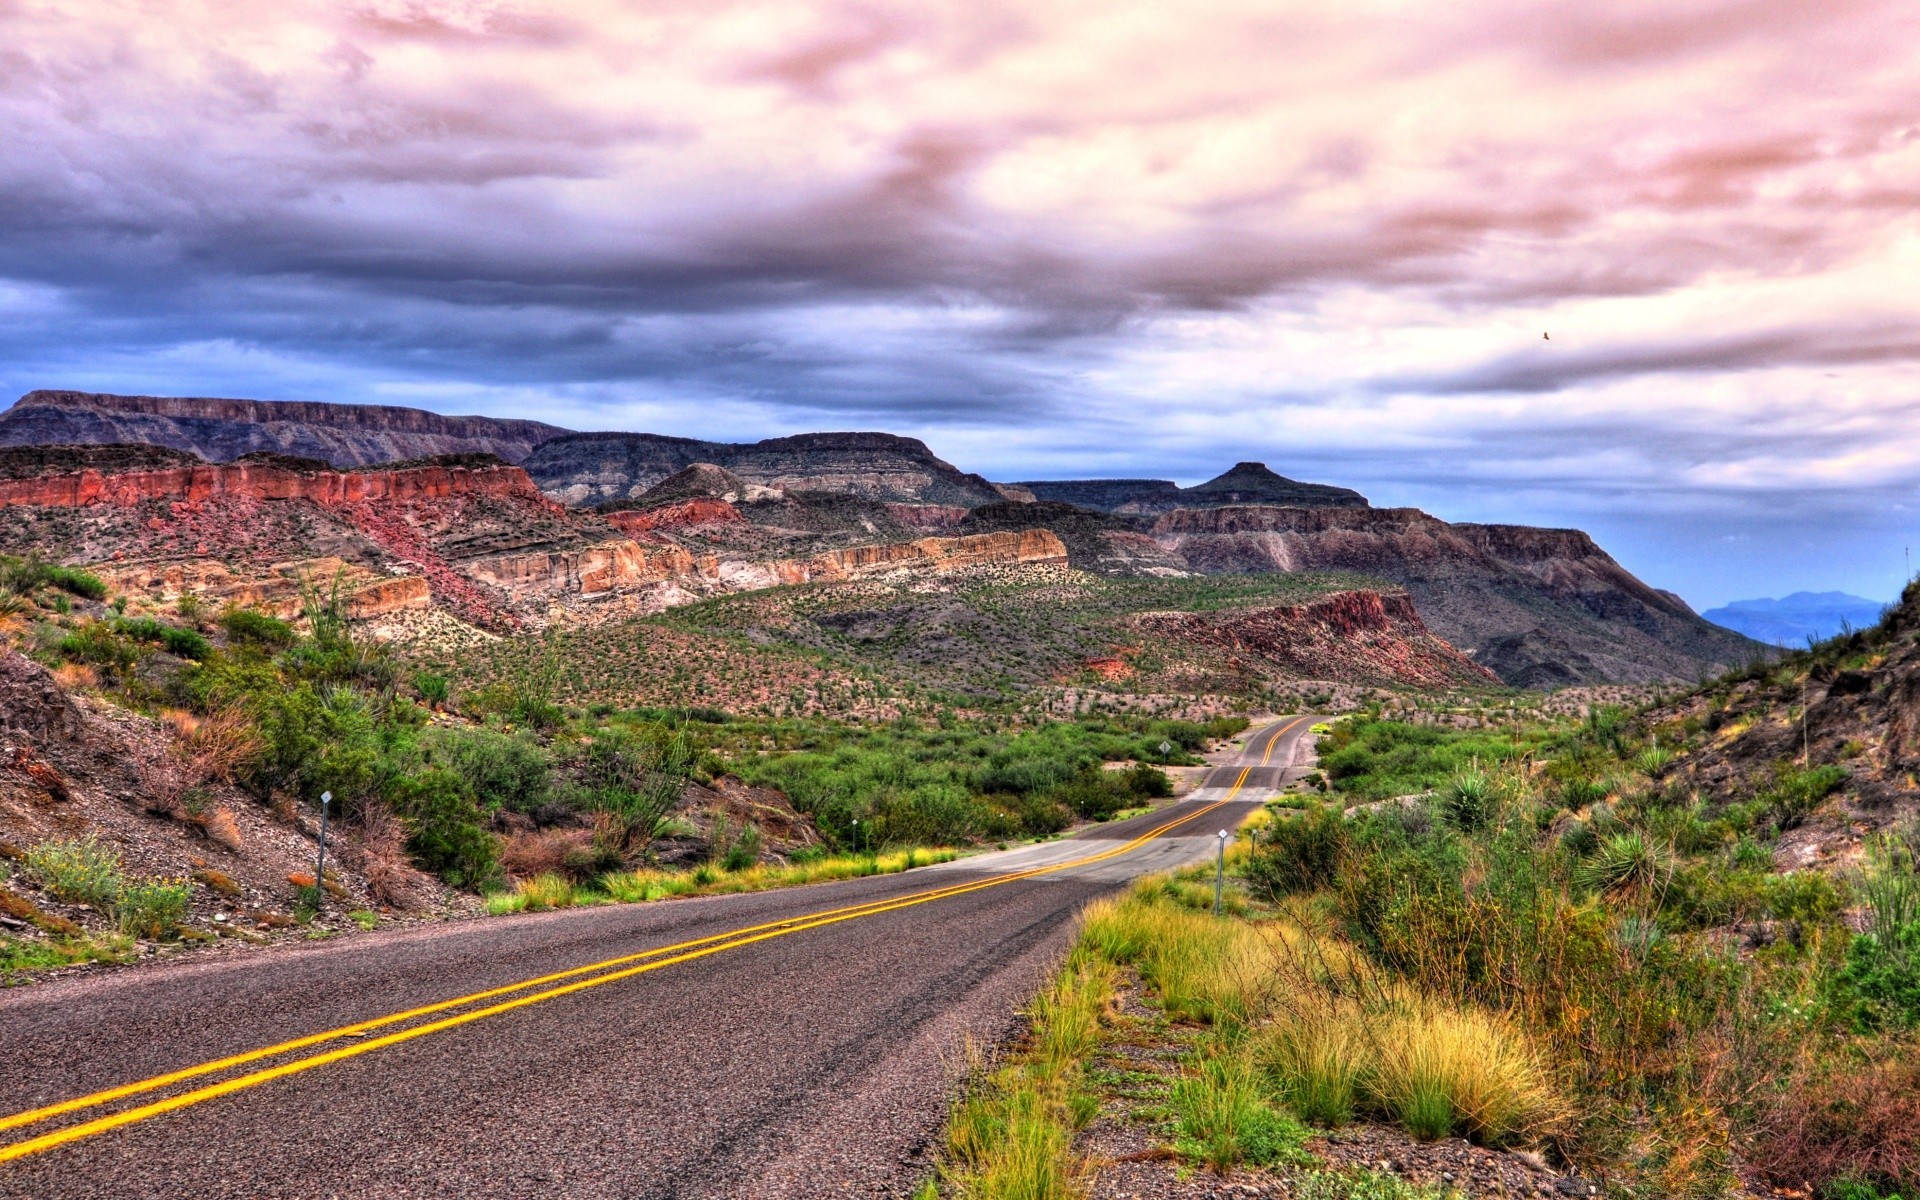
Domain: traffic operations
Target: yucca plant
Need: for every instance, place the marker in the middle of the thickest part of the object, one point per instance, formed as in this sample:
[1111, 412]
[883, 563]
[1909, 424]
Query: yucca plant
[1623, 861]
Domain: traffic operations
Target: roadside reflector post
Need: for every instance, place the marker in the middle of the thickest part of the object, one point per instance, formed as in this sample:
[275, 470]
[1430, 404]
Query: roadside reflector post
[1220, 873]
[320, 868]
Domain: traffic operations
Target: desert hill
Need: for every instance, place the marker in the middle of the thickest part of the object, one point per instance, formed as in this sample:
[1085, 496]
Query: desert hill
[344, 435]
[1827, 739]
[1245, 483]
[594, 468]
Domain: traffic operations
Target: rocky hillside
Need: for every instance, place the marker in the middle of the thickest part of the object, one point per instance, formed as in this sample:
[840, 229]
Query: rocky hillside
[344, 435]
[467, 536]
[1827, 741]
[1541, 608]
[594, 468]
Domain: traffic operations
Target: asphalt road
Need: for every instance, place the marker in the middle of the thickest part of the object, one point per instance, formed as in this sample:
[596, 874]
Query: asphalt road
[811, 1055]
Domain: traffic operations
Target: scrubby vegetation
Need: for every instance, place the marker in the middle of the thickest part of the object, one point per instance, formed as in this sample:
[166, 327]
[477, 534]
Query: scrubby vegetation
[488, 783]
[1690, 1003]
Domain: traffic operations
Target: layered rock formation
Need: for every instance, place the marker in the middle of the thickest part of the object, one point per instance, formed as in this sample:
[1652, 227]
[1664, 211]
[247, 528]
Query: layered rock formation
[593, 468]
[1539, 607]
[1348, 637]
[1245, 483]
[262, 478]
[343, 435]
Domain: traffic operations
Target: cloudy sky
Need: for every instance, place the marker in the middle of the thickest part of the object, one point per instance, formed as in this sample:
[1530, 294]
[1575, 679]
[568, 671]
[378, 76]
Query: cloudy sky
[1081, 237]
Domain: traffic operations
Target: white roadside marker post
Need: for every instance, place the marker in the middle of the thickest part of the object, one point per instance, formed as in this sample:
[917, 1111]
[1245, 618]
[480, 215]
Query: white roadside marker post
[1220, 873]
[320, 868]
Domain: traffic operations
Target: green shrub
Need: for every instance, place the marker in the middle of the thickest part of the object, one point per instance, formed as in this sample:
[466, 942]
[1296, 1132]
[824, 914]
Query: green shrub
[1224, 1120]
[153, 908]
[81, 871]
[1468, 800]
[257, 628]
[1296, 854]
[1795, 794]
[447, 836]
[318, 740]
[432, 689]
[98, 643]
[503, 770]
[186, 643]
[84, 584]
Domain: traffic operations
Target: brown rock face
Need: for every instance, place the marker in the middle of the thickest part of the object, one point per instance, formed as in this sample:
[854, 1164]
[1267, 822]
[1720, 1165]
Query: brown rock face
[33, 709]
[1357, 636]
[937, 554]
[589, 571]
[698, 511]
[275, 590]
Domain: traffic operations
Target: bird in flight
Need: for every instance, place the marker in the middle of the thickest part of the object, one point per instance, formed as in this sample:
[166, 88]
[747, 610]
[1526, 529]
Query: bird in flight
[1544, 337]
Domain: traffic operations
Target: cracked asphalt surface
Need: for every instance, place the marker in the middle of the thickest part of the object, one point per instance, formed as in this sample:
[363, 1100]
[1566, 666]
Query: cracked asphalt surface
[816, 1064]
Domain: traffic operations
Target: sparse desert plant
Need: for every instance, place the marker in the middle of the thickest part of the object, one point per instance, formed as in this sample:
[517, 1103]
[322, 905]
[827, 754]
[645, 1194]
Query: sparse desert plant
[153, 908]
[222, 829]
[383, 861]
[1362, 1185]
[81, 871]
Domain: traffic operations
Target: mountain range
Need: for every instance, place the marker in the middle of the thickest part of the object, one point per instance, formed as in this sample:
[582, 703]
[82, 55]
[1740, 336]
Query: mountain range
[1791, 620]
[663, 520]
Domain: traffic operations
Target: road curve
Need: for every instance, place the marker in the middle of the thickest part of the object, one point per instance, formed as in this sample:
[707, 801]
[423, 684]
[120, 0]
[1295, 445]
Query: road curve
[796, 1043]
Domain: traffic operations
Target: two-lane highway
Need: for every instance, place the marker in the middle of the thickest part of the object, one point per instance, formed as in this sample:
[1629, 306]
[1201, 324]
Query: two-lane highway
[794, 1043]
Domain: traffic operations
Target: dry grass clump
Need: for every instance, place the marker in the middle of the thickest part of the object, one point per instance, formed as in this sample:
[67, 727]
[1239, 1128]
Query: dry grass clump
[1327, 1034]
[1442, 1069]
[391, 877]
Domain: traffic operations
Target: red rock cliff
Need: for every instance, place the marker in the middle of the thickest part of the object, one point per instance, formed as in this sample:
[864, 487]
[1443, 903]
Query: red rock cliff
[264, 481]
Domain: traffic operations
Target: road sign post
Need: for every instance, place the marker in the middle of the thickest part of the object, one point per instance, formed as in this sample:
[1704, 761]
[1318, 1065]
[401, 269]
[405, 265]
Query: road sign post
[1220, 873]
[320, 868]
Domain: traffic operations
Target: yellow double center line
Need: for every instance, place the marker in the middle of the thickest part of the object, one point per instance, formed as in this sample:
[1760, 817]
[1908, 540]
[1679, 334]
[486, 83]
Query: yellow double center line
[646, 960]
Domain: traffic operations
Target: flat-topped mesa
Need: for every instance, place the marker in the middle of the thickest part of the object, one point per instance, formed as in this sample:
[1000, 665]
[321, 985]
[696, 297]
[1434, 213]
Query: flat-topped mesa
[220, 430]
[1246, 483]
[594, 468]
[134, 479]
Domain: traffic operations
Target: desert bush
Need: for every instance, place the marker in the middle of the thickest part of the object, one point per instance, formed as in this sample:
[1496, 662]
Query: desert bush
[153, 908]
[1625, 860]
[447, 835]
[503, 770]
[1795, 794]
[636, 776]
[80, 871]
[1295, 854]
[186, 643]
[1880, 982]
[544, 893]
[1441, 1069]
[382, 857]
[99, 644]
[1859, 1125]
[1314, 1056]
[1469, 800]
[248, 626]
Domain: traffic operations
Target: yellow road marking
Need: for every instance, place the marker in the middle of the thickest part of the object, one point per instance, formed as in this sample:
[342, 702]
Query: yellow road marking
[712, 944]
